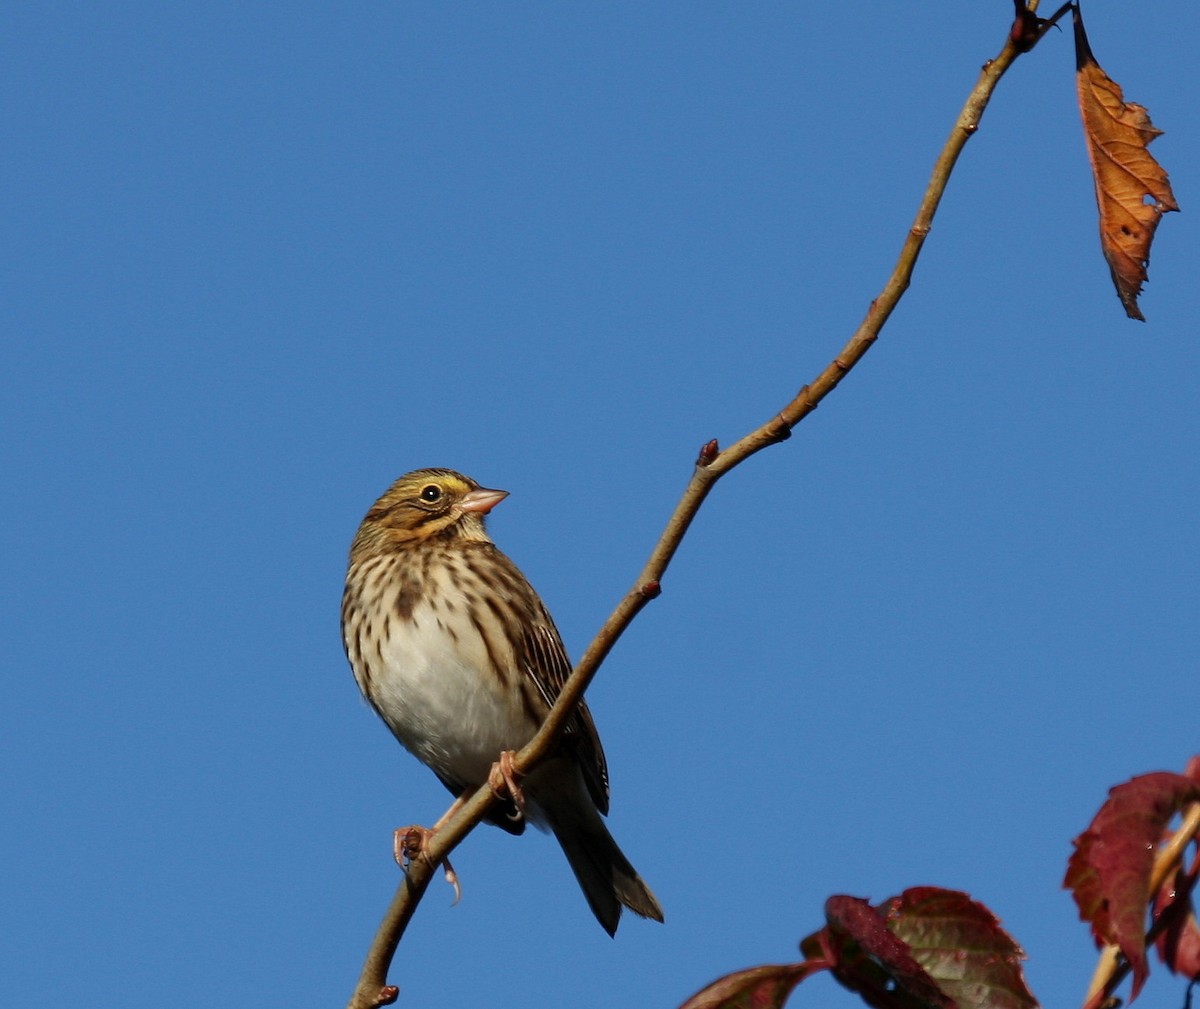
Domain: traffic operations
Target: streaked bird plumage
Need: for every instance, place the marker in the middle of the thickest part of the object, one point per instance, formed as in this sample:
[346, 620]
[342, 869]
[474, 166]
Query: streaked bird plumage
[460, 658]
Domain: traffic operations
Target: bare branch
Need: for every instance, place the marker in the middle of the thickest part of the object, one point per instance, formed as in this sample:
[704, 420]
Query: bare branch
[712, 464]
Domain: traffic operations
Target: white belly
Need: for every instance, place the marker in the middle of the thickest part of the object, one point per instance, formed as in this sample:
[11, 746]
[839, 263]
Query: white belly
[432, 691]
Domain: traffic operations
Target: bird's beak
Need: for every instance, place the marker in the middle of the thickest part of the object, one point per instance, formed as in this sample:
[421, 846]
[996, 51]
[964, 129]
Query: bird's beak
[482, 500]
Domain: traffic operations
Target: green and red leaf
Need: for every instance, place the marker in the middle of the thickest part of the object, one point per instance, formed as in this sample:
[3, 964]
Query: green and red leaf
[961, 945]
[868, 958]
[928, 948]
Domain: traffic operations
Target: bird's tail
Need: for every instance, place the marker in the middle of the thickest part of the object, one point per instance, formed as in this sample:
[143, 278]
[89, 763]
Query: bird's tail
[607, 879]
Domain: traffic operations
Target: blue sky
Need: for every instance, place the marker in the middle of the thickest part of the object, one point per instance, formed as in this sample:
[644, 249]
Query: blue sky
[261, 259]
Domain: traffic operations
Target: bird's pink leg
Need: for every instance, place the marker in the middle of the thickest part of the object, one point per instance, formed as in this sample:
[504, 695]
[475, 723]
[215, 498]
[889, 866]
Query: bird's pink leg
[410, 843]
[502, 779]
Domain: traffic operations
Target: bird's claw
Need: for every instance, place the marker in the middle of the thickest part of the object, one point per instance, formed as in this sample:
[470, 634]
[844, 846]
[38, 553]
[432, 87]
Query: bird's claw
[411, 843]
[502, 779]
[452, 879]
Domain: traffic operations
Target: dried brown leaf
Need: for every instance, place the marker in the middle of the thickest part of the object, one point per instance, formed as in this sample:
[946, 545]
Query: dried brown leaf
[1132, 190]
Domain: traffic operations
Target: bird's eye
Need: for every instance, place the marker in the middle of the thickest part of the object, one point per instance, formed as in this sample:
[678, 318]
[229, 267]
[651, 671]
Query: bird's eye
[431, 493]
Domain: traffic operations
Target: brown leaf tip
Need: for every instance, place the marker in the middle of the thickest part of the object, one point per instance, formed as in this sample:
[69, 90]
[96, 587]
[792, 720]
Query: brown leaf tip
[1083, 51]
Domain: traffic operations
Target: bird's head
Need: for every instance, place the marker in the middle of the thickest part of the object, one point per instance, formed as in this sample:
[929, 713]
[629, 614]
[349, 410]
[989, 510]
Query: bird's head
[426, 504]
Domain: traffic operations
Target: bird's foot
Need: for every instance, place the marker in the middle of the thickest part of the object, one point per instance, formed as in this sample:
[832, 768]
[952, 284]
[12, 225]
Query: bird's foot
[412, 843]
[502, 779]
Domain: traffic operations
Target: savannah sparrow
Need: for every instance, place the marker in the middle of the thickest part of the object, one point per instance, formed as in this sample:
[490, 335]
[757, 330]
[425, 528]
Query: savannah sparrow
[457, 654]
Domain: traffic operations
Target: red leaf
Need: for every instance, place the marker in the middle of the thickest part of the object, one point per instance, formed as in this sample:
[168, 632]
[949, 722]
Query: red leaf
[961, 945]
[1109, 872]
[1179, 943]
[765, 987]
[928, 947]
[868, 958]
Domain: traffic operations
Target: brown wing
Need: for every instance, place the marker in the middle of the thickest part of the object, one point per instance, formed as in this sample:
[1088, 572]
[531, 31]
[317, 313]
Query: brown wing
[544, 659]
[540, 657]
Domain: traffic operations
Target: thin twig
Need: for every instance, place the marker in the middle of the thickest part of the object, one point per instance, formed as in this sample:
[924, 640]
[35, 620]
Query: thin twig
[372, 990]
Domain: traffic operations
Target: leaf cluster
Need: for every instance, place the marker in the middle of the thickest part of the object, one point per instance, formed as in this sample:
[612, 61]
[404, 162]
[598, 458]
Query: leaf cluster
[932, 948]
